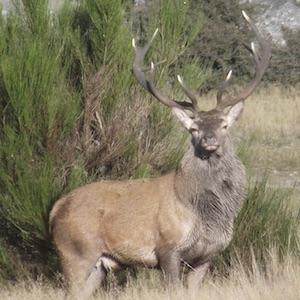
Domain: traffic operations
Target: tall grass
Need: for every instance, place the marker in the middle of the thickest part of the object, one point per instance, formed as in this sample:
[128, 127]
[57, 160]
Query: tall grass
[272, 118]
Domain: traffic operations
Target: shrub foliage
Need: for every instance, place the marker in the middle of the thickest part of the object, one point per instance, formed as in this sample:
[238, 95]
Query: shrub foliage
[71, 113]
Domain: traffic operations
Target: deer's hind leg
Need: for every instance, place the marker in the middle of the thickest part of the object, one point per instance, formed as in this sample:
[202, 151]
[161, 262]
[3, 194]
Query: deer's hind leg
[84, 276]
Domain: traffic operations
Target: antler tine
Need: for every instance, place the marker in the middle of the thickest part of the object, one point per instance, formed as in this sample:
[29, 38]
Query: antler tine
[140, 54]
[139, 58]
[223, 88]
[261, 65]
[189, 94]
[165, 100]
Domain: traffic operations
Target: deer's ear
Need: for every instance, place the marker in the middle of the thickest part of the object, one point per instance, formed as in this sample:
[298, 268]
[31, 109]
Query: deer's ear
[234, 112]
[184, 119]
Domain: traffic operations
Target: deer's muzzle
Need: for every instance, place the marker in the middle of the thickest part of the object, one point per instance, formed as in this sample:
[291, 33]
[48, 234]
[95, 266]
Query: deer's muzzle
[210, 143]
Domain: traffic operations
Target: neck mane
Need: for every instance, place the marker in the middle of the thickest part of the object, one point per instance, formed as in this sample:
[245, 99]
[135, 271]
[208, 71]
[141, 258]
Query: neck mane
[213, 187]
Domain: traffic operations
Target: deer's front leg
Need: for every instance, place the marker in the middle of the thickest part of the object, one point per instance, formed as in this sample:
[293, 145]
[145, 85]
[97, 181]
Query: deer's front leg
[169, 262]
[196, 275]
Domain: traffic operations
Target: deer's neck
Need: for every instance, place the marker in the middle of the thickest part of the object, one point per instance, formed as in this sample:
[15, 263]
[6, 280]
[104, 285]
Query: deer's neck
[213, 187]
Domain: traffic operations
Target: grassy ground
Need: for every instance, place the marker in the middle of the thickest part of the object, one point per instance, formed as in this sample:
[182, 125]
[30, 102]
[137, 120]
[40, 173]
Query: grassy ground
[269, 134]
[271, 124]
[272, 119]
[282, 282]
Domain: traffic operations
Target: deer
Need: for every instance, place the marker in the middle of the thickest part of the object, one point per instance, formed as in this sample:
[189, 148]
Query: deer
[184, 217]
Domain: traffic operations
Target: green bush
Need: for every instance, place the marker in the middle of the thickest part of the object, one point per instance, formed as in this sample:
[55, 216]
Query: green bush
[38, 112]
[71, 113]
[285, 64]
[219, 45]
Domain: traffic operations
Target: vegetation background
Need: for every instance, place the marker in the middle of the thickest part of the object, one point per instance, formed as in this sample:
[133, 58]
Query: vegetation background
[72, 113]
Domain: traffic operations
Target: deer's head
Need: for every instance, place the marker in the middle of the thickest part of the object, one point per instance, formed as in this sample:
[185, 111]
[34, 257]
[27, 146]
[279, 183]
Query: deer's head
[207, 128]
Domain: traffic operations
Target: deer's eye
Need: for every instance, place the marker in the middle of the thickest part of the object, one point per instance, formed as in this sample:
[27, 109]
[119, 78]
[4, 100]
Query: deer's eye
[194, 129]
[224, 126]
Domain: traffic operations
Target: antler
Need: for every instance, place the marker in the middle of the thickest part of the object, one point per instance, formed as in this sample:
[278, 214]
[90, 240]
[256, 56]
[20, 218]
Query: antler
[230, 100]
[189, 94]
[261, 64]
[140, 54]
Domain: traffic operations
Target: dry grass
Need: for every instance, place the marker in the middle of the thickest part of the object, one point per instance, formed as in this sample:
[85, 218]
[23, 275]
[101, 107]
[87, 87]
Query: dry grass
[272, 118]
[281, 281]
[271, 122]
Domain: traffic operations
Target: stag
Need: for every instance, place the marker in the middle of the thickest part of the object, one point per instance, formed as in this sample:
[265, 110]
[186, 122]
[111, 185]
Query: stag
[184, 217]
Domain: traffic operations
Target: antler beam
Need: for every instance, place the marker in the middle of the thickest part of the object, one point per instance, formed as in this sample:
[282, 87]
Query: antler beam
[150, 86]
[261, 65]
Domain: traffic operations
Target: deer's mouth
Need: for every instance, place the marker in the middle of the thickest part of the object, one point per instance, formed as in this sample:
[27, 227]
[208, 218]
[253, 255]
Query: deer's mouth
[206, 151]
[211, 148]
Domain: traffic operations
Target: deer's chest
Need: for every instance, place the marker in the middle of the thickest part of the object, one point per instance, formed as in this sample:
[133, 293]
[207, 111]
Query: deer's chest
[204, 246]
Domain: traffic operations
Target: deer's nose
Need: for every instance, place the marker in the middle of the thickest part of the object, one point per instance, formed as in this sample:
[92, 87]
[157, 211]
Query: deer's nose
[210, 140]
